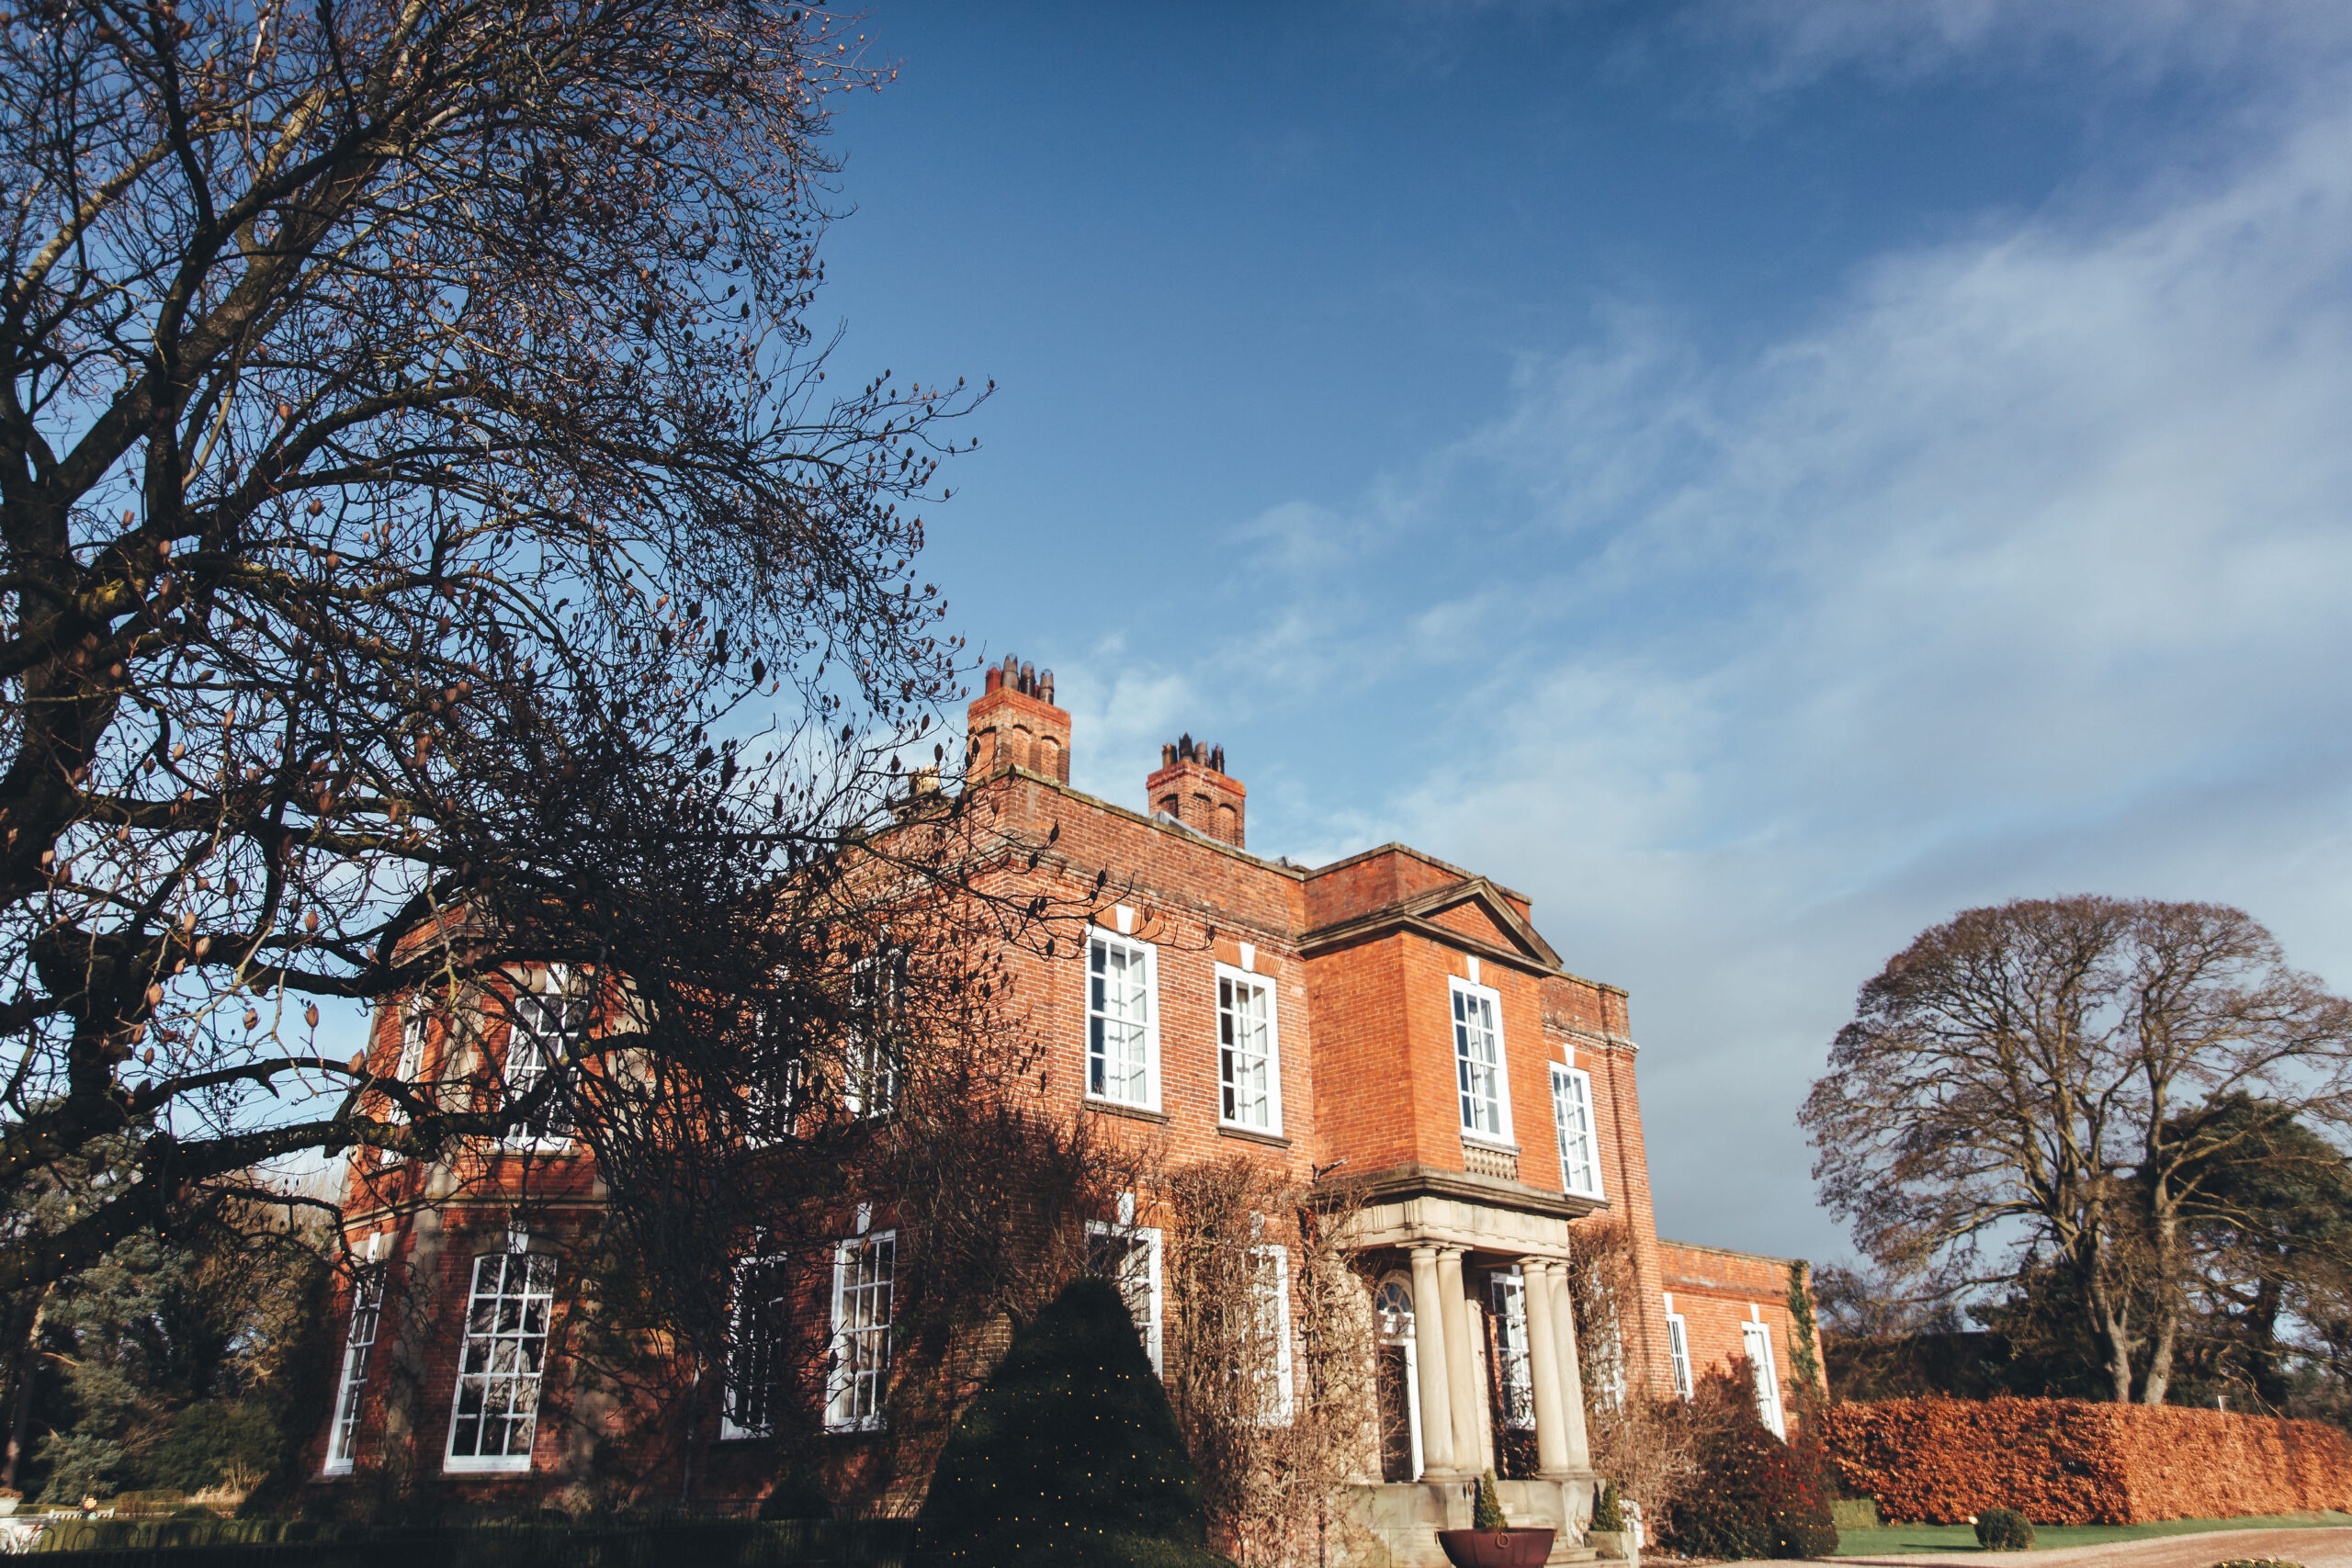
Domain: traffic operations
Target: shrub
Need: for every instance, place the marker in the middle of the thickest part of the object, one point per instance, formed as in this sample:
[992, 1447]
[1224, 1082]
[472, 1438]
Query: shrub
[2004, 1529]
[1488, 1512]
[1753, 1496]
[1609, 1508]
[1071, 1456]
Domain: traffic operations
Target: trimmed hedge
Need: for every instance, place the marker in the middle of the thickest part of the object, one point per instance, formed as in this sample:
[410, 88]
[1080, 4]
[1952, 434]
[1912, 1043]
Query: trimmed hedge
[2070, 1461]
[299, 1543]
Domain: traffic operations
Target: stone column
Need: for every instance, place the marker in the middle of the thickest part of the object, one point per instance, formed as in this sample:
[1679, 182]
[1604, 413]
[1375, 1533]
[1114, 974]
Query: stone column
[1563, 1326]
[1429, 1354]
[1543, 1366]
[1460, 1366]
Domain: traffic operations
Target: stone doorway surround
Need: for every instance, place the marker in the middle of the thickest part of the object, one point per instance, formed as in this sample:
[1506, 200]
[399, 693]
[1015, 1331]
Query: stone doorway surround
[1437, 1225]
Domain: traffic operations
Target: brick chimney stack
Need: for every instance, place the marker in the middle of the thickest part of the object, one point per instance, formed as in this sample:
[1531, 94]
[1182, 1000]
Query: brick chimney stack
[1015, 724]
[1192, 788]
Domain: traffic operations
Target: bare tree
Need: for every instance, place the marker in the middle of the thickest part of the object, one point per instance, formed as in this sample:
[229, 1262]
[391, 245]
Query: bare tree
[1645, 1441]
[2031, 1075]
[417, 477]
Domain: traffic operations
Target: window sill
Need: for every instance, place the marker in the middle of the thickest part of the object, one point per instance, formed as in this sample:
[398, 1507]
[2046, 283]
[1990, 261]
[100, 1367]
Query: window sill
[504, 1464]
[1121, 1108]
[336, 1467]
[1251, 1134]
[1499, 1145]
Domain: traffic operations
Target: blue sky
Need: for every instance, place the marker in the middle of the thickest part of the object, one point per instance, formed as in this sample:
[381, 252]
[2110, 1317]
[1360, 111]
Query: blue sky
[1757, 477]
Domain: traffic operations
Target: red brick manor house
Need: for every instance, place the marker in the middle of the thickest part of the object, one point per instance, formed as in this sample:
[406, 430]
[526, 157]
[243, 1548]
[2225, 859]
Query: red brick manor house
[1388, 1010]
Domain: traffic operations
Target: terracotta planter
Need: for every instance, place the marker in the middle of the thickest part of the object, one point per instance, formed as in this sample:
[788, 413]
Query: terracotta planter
[1496, 1548]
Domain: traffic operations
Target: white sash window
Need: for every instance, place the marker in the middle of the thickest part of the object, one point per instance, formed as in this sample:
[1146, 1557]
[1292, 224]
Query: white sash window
[1572, 1115]
[1478, 1063]
[1122, 1023]
[1514, 1374]
[359, 1343]
[864, 1281]
[1249, 1058]
[495, 1414]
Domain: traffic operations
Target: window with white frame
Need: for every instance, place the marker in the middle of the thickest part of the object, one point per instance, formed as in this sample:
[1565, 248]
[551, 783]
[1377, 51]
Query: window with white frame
[1678, 1352]
[1248, 1058]
[1514, 1375]
[1272, 1325]
[870, 1068]
[1122, 1023]
[755, 1347]
[1756, 1340]
[770, 1082]
[358, 1344]
[1128, 1255]
[1479, 1062]
[493, 1416]
[416, 1024]
[865, 1283]
[1572, 1114]
[536, 1046]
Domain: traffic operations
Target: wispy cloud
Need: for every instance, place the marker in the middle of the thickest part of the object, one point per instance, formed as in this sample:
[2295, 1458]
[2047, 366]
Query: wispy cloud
[2024, 568]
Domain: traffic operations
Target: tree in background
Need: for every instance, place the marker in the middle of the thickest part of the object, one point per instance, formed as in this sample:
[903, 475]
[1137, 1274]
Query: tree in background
[173, 1365]
[2030, 1080]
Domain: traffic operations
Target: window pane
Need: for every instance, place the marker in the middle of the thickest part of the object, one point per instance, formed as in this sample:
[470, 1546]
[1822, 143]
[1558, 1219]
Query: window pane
[495, 1410]
[1118, 1041]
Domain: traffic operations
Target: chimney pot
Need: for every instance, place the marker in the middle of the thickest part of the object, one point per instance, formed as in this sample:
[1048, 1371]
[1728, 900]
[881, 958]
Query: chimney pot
[995, 680]
[1046, 685]
[1192, 788]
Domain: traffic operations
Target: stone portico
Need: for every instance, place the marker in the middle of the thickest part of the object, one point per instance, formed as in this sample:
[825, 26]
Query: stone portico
[1462, 1244]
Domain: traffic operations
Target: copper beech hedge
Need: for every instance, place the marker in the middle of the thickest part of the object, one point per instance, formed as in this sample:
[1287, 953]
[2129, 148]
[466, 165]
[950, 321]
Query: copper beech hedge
[2068, 1461]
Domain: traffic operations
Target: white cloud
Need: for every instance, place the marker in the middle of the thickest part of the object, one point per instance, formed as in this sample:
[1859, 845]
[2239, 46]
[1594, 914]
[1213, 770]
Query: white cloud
[2025, 570]
[1790, 43]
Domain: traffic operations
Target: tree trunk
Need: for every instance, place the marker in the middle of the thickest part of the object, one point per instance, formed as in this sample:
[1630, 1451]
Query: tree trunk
[26, 1340]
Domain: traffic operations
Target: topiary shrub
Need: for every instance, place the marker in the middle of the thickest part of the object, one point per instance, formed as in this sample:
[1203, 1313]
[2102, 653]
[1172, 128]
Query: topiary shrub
[1070, 1457]
[1609, 1508]
[2004, 1529]
[1487, 1512]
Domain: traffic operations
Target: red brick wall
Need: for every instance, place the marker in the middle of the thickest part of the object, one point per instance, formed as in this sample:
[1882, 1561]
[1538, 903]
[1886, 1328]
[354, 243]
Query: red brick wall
[2067, 1462]
[1377, 1089]
[1716, 1290]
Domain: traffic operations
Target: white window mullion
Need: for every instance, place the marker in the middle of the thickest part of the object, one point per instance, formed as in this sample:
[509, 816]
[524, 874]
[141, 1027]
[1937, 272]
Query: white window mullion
[367, 1315]
[493, 1412]
[1122, 1022]
[1249, 1051]
[865, 1287]
[1677, 1349]
[1572, 1117]
[1514, 1374]
[1479, 1062]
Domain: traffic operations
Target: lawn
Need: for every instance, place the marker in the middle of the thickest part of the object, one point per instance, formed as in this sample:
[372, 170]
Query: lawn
[1963, 1538]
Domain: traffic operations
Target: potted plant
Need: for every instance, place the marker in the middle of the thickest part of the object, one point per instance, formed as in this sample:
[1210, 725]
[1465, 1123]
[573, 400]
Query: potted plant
[1608, 1533]
[1491, 1542]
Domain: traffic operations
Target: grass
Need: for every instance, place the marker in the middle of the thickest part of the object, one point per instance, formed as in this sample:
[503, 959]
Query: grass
[1963, 1538]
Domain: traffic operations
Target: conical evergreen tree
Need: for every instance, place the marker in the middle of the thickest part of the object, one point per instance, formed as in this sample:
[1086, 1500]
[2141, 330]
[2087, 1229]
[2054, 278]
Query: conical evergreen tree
[1071, 1456]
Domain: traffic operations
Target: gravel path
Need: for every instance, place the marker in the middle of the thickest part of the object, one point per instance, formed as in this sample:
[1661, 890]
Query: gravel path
[2311, 1548]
